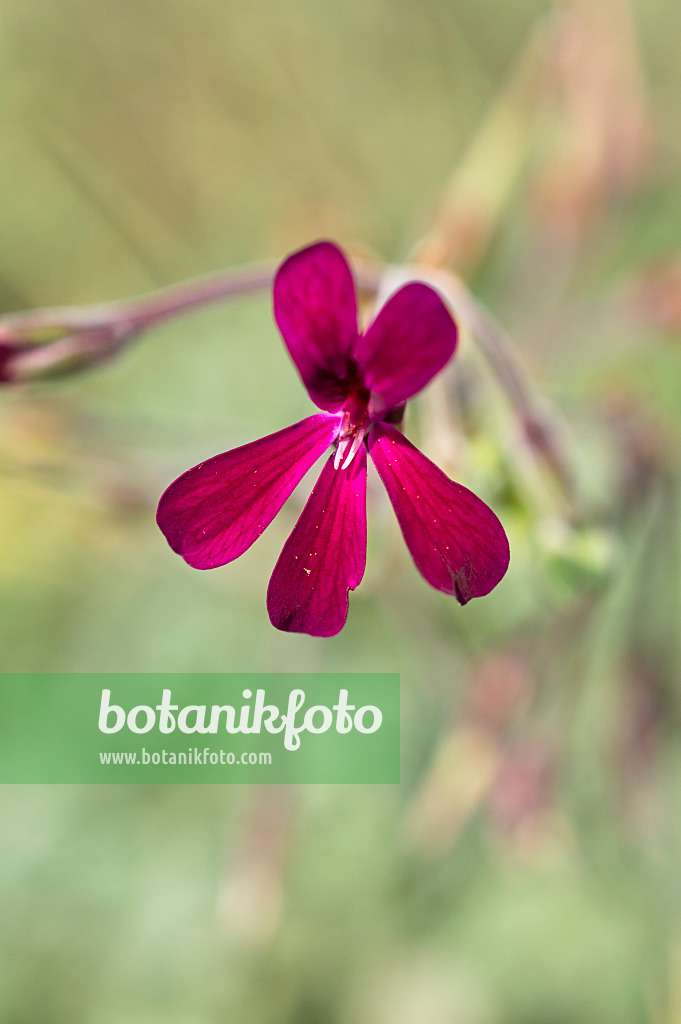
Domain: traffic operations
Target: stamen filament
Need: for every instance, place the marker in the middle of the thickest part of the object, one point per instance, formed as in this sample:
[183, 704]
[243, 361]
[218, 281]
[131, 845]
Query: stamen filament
[356, 442]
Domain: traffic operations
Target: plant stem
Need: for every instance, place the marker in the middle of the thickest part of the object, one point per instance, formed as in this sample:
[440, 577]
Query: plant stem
[86, 335]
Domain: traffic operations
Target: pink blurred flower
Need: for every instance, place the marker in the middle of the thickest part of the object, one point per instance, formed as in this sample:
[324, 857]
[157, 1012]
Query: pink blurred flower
[215, 511]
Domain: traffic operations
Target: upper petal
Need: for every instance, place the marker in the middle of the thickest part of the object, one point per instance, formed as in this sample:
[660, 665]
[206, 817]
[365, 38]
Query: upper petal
[410, 341]
[325, 555]
[458, 544]
[316, 311]
[215, 511]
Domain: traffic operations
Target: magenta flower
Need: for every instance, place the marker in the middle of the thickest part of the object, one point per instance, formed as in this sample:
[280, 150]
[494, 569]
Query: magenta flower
[214, 512]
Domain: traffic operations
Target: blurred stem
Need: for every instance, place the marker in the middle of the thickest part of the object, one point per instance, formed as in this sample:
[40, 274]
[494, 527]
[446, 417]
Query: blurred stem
[64, 339]
[137, 313]
[539, 427]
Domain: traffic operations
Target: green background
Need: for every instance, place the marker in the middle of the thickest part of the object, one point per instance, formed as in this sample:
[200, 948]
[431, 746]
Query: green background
[526, 870]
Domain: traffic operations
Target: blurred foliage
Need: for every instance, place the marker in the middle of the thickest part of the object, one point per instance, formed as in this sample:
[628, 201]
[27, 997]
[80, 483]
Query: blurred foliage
[526, 870]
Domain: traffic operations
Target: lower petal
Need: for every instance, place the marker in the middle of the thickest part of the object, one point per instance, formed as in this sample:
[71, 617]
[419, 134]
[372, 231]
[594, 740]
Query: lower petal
[325, 556]
[458, 544]
[215, 511]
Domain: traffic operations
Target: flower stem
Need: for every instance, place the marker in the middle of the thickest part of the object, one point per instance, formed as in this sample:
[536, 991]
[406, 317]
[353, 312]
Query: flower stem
[63, 339]
[539, 427]
[538, 424]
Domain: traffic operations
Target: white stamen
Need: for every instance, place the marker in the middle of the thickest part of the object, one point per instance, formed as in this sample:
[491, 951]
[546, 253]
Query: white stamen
[340, 452]
[356, 442]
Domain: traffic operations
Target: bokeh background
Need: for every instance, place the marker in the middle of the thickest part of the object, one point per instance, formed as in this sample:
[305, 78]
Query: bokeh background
[528, 868]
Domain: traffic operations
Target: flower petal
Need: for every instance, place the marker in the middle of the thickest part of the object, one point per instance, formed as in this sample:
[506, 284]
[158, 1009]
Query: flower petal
[316, 311]
[325, 555]
[458, 544]
[215, 511]
[410, 341]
